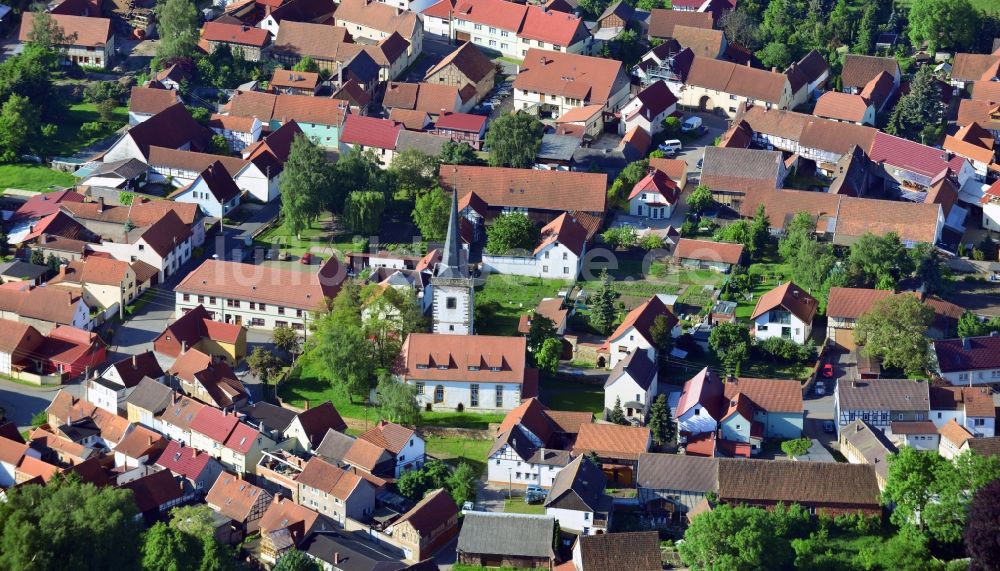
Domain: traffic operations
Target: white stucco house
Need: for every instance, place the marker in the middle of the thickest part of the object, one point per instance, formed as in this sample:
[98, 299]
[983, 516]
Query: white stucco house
[786, 311]
[633, 385]
[214, 191]
[634, 334]
[559, 254]
[655, 196]
[698, 408]
[577, 499]
[971, 407]
[648, 109]
[969, 361]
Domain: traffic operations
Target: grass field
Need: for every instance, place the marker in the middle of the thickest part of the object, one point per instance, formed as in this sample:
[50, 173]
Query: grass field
[511, 297]
[455, 450]
[769, 276]
[559, 394]
[33, 177]
[317, 234]
[519, 506]
[309, 381]
[70, 138]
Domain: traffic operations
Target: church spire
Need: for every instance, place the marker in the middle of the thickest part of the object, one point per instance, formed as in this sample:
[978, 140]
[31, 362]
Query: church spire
[451, 259]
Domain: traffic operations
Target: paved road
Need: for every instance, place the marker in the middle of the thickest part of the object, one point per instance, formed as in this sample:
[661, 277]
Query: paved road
[693, 152]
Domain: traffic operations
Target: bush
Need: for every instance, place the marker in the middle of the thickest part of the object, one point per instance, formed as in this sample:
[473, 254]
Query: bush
[787, 350]
[858, 523]
[796, 447]
[92, 129]
[651, 242]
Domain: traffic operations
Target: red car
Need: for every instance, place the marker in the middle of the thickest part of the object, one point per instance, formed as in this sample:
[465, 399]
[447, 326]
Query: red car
[828, 370]
[306, 258]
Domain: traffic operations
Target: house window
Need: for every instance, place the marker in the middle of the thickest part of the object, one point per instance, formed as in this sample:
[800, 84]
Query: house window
[979, 422]
[420, 386]
[477, 26]
[281, 310]
[451, 302]
[545, 269]
[187, 297]
[261, 306]
[565, 255]
[565, 269]
[438, 394]
[474, 395]
[499, 401]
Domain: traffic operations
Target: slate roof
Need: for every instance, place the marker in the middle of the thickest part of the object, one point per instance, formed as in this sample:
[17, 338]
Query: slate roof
[172, 128]
[637, 365]
[578, 486]
[273, 417]
[506, 534]
[150, 395]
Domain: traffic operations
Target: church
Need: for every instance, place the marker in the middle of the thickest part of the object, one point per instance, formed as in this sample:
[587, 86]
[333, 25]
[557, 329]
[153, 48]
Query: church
[453, 369]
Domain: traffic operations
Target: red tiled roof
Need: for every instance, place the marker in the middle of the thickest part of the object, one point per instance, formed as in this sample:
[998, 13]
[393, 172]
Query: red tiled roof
[612, 441]
[968, 354]
[291, 288]
[909, 155]
[154, 491]
[709, 251]
[87, 31]
[528, 188]
[589, 79]
[424, 354]
[461, 122]
[391, 436]
[242, 438]
[566, 231]
[45, 203]
[642, 318]
[234, 34]
[214, 423]
[843, 106]
[792, 298]
[151, 101]
[183, 460]
[370, 132]
[660, 184]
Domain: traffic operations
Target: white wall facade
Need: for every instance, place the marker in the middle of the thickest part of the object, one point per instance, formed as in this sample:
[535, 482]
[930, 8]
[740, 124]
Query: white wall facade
[452, 309]
[623, 345]
[506, 467]
[966, 378]
[625, 390]
[640, 206]
[411, 457]
[573, 520]
[198, 193]
[697, 420]
[251, 314]
[771, 324]
[140, 250]
[453, 393]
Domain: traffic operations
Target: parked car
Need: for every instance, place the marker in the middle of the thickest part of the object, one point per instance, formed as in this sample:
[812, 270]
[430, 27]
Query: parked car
[828, 370]
[828, 426]
[534, 494]
[306, 258]
[671, 146]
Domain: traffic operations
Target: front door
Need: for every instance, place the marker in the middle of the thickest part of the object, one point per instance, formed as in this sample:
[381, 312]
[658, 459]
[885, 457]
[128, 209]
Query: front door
[238, 319]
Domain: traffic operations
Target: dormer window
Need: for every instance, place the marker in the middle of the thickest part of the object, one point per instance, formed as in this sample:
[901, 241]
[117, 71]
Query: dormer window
[473, 367]
[442, 367]
[421, 366]
[495, 369]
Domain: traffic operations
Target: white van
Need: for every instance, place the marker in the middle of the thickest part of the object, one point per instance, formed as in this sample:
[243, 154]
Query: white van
[692, 123]
[671, 146]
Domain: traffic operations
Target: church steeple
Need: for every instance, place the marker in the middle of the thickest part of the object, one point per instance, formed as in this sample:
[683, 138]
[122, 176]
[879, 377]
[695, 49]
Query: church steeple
[451, 265]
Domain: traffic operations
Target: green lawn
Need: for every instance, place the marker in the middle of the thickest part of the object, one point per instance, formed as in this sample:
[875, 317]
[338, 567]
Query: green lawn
[511, 297]
[317, 234]
[33, 177]
[559, 394]
[454, 450]
[768, 276]
[69, 136]
[309, 381]
[519, 506]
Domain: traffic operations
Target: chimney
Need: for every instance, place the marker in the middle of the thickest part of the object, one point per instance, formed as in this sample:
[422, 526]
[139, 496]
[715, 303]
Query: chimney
[305, 404]
[336, 557]
[774, 69]
[966, 344]
[62, 270]
[857, 428]
[174, 396]
[100, 204]
[135, 362]
[184, 347]
[150, 441]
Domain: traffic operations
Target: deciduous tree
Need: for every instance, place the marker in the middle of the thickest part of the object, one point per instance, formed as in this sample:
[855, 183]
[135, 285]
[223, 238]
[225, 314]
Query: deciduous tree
[511, 231]
[286, 339]
[894, 329]
[170, 549]
[19, 124]
[414, 172]
[909, 485]
[943, 24]
[363, 211]
[735, 538]
[177, 25]
[541, 328]
[982, 542]
[305, 180]
[731, 342]
[398, 401]
[514, 140]
[456, 153]
[264, 364]
[875, 258]
[295, 560]
[700, 199]
[547, 356]
[461, 484]
[430, 213]
[306, 64]
[796, 447]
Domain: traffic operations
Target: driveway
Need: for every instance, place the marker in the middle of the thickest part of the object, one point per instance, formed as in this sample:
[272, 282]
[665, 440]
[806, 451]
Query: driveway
[433, 52]
[20, 402]
[692, 152]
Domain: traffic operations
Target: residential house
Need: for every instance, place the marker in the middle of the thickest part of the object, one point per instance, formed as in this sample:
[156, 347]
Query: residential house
[112, 388]
[970, 407]
[670, 486]
[461, 128]
[858, 70]
[880, 402]
[149, 398]
[44, 308]
[173, 128]
[761, 409]
[138, 448]
[106, 284]
[311, 425]
[698, 410]
[21, 271]
[486, 192]
[427, 527]
[245, 42]
[983, 446]
[171, 77]
[195, 470]
[375, 21]
[618, 448]
[532, 445]
[321, 119]
[400, 450]
[257, 296]
[581, 123]
[734, 175]
[862, 443]
[634, 334]
[556, 82]
[294, 12]
[509, 540]
[636, 550]
[195, 330]
[704, 254]
[212, 383]
[334, 492]
[239, 132]
[411, 119]
[91, 40]
[333, 50]
[175, 417]
[379, 135]
[294, 82]
[969, 68]
[786, 311]
[186, 170]
[144, 102]
[648, 109]
[615, 18]
[214, 191]
[632, 385]
[975, 144]
[559, 254]
[40, 206]
[662, 22]
[338, 550]
[165, 245]
[155, 495]
[270, 154]
[953, 437]
[70, 352]
[919, 434]
[577, 499]
[357, 98]
[847, 107]
[464, 66]
[723, 87]
[12, 452]
[813, 70]
[285, 525]
[449, 370]
[655, 195]
[126, 174]
[549, 308]
[969, 361]
[431, 98]
[511, 30]
[109, 221]
[990, 202]
[240, 501]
